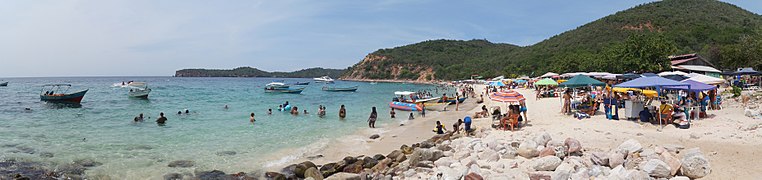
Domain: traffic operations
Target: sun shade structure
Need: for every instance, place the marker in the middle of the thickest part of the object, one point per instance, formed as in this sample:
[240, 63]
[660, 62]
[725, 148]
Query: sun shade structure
[496, 83]
[695, 86]
[653, 81]
[581, 81]
[507, 96]
[746, 71]
[705, 79]
[546, 82]
[549, 74]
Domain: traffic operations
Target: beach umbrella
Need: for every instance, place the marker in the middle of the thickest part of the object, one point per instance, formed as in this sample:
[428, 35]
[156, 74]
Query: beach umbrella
[549, 74]
[670, 73]
[507, 96]
[581, 81]
[546, 82]
[496, 83]
[521, 81]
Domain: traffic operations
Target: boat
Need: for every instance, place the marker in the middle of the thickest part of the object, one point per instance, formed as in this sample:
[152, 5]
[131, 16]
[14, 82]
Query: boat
[58, 93]
[340, 89]
[400, 101]
[452, 101]
[324, 79]
[284, 90]
[4, 83]
[435, 106]
[139, 90]
[122, 84]
[302, 83]
[405, 106]
[276, 85]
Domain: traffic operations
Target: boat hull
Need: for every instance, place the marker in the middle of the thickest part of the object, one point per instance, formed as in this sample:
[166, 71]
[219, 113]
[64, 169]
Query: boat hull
[70, 98]
[302, 83]
[405, 106]
[452, 101]
[140, 93]
[288, 91]
[4, 84]
[350, 89]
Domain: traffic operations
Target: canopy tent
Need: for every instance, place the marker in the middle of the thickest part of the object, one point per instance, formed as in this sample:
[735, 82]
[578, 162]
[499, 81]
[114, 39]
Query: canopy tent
[507, 96]
[581, 81]
[705, 79]
[597, 74]
[670, 73]
[675, 77]
[648, 93]
[648, 74]
[496, 83]
[746, 71]
[566, 75]
[524, 77]
[611, 76]
[629, 76]
[546, 82]
[549, 74]
[695, 86]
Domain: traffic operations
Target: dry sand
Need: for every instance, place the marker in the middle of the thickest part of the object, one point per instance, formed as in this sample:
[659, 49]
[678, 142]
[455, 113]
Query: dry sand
[731, 149]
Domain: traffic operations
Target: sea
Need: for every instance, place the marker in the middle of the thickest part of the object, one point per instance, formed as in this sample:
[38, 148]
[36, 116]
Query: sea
[101, 128]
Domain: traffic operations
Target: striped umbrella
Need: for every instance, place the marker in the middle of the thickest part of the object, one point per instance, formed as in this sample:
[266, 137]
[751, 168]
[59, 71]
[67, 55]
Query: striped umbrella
[507, 96]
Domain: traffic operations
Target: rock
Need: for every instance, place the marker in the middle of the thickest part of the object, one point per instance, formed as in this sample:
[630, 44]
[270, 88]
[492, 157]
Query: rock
[680, 178]
[396, 156]
[72, 168]
[313, 173]
[548, 151]
[344, 176]
[599, 158]
[474, 168]
[618, 173]
[630, 146]
[615, 159]
[406, 149]
[635, 174]
[656, 168]
[445, 161]
[299, 170]
[173, 176]
[542, 138]
[632, 162]
[382, 165]
[379, 157]
[354, 167]
[572, 145]
[330, 169]
[489, 155]
[528, 149]
[275, 176]
[672, 162]
[473, 176]
[369, 162]
[226, 153]
[547, 163]
[508, 153]
[560, 151]
[92, 163]
[425, 164]
[46, 154]
[540, 175]
[694, 164]
[350, 159]
[290, 171]
[308, 164]
[375, 136]
[214, 174]
[427, 144]
[563, 172]
[181, 163]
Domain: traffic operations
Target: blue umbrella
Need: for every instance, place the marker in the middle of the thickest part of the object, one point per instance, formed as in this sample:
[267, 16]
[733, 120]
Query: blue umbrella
[496, 83]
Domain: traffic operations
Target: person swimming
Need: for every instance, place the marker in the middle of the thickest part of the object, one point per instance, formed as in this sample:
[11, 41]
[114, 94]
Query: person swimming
[295, 110]
[269, 111]
[161, 120]
[342, 112]
[187, 112]
[139, 118]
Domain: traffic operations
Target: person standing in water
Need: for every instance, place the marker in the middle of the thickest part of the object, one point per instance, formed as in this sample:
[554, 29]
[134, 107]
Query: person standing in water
[269, 111]
[372, 118]
[251, 119]
[161, 120]
[139, 118]
[392, 113]
[342, 112]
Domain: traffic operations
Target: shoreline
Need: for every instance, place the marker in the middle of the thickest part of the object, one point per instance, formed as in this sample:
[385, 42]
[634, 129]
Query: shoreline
[392, 81]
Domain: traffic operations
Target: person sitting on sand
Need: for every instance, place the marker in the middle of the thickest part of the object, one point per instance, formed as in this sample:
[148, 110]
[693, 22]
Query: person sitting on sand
[439, 129]
[269, 111]
[481, 99]
[161, 120]
[342, 112]
[294, 110]
[139, 118]
[482, 113]
[456, 126]
[392, 113]
[411, 117]
[251, 119]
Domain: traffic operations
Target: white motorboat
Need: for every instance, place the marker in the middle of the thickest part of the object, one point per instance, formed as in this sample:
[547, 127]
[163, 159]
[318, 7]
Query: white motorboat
[139, 90]
[276, 85]
[325, 79]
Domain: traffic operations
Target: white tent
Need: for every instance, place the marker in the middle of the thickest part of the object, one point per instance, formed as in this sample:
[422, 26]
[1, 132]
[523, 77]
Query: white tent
[668, 73]
[705, 79]
[549, 74]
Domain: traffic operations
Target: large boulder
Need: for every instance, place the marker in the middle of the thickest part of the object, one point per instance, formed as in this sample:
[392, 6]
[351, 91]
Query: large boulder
[343, 176]
[382, 165]
[542, 138]
[396, 156]
[672, 161]
[313, 173]
[630, 146]
[548, 151]
[656, 168]
[214, 174]
[562, 172]
[330, 169]
[445, 161]
[369, 162]
[695, 165]
[473, 176]
[275, 176]
[616, 159]
[572, 145]
[528, 149]
[355, 167]
[547, 163]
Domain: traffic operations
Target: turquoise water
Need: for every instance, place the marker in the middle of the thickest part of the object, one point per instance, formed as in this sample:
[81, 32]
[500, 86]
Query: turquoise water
[102, 128]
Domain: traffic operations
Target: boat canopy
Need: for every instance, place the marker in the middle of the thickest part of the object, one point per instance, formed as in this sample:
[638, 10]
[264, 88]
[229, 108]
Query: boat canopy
[403, 93]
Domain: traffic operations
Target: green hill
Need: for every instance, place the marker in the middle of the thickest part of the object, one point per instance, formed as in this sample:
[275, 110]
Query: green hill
[637, 39]
[254, 72]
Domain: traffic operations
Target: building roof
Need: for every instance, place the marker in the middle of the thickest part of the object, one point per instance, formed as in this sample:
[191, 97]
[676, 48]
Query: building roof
[682, 59]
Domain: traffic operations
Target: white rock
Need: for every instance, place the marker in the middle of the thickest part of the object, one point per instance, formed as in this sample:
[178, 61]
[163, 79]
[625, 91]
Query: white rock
[445, 161]
[528, 149]
[694, 164]
[547, 163]
[635, 174]
[562, 172]
[680, 178]
[474, 169]
[508, 153]
[656, 168]
[616, 159]
[617, 173]
[514, 174]
[630, 146]
[542, 138]
[344, 176]
[489, 155]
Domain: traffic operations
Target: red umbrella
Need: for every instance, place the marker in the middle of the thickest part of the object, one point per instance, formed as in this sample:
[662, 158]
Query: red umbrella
[507, 96]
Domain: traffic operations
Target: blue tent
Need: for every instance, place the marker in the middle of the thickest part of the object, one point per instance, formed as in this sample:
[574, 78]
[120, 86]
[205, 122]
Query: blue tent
[496, 83]
[653, 81]
[695, 86]
[746, 71]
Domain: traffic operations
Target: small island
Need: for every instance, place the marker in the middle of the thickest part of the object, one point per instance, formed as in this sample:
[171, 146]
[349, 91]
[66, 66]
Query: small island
[254, 72]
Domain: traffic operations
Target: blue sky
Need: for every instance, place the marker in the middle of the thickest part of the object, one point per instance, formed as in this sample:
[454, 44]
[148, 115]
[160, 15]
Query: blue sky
[146, 37]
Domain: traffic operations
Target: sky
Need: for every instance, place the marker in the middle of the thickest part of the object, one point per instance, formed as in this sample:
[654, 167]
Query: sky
[43, 38]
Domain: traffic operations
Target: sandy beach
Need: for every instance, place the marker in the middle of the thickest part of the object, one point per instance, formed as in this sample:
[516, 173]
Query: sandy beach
[727, 138]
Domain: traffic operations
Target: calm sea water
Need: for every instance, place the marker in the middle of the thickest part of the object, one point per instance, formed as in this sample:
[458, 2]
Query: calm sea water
[102, 128]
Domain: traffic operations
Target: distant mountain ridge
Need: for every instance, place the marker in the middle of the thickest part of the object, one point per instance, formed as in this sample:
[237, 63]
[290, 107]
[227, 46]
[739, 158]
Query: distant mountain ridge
[254, 72]
[636, 39]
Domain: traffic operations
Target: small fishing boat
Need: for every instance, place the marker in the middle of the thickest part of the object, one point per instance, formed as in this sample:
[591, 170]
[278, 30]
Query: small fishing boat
[4, 83]
[452, 101]
[302, 83]
[286, 90]
[340, 89]
[324, 79]
[58, 93]
[139, 90]
[276, 85]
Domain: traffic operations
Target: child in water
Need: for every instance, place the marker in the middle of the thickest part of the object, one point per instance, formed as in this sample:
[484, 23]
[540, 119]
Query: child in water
[411, 117]
[251, 119]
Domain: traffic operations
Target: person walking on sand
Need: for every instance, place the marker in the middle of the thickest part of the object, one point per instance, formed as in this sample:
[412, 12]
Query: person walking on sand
[251, 119]
[423, 110]
[342, 112]
[372, 118]
[392, 113]
[161, 120]
[567, 103]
